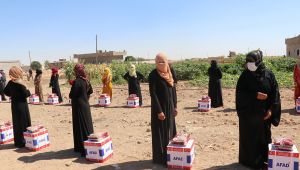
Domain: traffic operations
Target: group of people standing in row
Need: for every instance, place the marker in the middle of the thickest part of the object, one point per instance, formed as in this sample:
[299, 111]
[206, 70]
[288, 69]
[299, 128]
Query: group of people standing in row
[257, 103]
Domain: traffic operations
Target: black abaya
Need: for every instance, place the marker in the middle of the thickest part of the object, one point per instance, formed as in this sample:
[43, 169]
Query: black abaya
[134, 85]
[214, 86]
[20, 111]
[163, 99]
[81, 113]
[254, 132]
[55, 87]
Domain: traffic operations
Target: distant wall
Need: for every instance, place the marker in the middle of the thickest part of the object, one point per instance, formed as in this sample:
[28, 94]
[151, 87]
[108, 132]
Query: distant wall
[293, 46]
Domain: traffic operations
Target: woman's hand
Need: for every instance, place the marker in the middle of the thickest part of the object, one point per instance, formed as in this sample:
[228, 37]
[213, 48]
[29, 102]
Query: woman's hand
[161, 116]
[268, 115]
[261, 96]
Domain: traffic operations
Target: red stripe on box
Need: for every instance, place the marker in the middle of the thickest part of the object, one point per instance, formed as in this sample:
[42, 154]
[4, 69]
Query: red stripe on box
[100, 160]
[133, 106]
[5, 128]
[35, 134]
[7, 141]
[287, 154]
[179, 167]
[90, 143]
[39, 148]
[271, 152]
[172, 148]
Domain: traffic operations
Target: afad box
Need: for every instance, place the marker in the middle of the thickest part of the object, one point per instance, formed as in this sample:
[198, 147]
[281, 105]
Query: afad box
[99, 151]
[133, 101]
[52, 99]
[34, 99]
[204, 104]
[37, 140]
[6, 134]
[103, 100]
[181, 156]
[298, 105]
[283, 160]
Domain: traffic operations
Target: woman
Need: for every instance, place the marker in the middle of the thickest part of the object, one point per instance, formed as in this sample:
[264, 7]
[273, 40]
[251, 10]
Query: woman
[55, 84]
[163, 108]
[258, 106]
[19, 106]
[106, 81]
[81, 113]
[38, 85]
[297, 80]
[2, 85]
[214, 86]
[134, 77]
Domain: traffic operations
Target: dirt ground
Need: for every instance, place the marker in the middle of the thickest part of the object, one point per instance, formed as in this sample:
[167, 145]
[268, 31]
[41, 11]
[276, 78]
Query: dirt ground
[215, 132]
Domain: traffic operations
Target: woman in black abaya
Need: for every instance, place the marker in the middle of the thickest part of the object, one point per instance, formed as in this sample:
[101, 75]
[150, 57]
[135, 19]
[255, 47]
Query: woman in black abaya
[19, 106]
[163, 108]
[258, 106]
[81, 113]
[214, 86]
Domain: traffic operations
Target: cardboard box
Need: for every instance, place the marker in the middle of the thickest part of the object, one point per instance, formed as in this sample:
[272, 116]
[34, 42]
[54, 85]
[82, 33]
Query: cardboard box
[52, 99]
[99, 151]
[181, 156]
[204, 104]
[103, 100]
[133, 101]
[34, 99]
[37, 140]
[6, 134]
[283, 160]
[298, 105]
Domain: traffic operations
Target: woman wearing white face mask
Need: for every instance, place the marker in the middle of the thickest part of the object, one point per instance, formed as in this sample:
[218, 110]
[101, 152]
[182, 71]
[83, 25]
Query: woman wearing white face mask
[258, 106]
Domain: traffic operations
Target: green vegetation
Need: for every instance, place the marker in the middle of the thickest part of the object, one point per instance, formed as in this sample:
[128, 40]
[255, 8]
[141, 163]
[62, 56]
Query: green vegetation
[35, 65]
[195, 71]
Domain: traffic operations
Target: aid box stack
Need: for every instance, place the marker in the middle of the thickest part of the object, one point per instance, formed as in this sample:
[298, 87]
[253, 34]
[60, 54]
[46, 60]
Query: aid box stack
[204, 104]
[34, 99]
[283, 155]
[52, 99]
[180, 152]
[133, 101]
[98, 147]
[36, 138]
[6, 132]
[103, 100]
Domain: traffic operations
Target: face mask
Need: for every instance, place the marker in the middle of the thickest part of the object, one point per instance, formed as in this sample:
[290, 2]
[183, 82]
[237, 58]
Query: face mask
[251, 66]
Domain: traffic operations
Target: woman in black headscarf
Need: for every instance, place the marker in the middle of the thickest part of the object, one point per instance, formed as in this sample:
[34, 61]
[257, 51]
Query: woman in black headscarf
[38, 85]
[258, 106]
[214, 86]
[81, 112]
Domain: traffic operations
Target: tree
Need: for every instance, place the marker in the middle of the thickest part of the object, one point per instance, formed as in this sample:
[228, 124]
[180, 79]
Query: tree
[47, 64]
[130, 58]
[35, 65]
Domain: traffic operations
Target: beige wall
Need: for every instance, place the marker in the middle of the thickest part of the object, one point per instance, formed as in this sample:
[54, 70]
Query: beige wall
[94, 58]
[6, 65]
[293, 46]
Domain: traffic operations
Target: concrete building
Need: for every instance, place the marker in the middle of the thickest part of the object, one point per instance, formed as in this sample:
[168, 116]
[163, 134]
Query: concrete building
[59, 64]
[100, 57]
[293, 46]
[6, 65]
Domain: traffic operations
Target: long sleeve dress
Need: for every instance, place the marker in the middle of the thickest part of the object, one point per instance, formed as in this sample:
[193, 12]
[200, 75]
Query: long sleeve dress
[55, 86]
[214, 86]
[38, 87]
[297, 82]
[134, 85]
[81, 113]
[107, 86]
[254, 132]
[163, 99]
[20, 112]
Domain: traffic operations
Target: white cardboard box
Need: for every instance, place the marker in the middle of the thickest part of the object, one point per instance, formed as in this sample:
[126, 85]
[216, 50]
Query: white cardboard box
[34, 99]
[283, 160]
[181, 156]
[103, 100]
[6, 134]
[204, 105]
[133, 101]
[37, 140]
[52, 99]
[99, 151]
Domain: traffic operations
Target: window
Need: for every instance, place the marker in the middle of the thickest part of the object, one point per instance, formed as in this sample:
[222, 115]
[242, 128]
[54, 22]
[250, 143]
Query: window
[298, 52]
[289, 53]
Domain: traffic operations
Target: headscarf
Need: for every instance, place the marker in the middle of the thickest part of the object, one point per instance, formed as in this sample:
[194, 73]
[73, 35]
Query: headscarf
[106, 73]
[79, 71]
[16, 74]
[257, 57]
[163, 68]
[213, 64]
[38, 72]
[132, 70]
[54, 70]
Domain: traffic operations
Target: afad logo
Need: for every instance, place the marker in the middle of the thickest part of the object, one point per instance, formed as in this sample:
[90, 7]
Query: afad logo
[285, 165]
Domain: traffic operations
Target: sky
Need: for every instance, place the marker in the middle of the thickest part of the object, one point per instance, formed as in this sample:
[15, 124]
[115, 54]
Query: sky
[53, 29]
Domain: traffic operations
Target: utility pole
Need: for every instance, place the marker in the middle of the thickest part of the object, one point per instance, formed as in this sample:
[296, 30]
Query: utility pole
[29, 58]
[96, 49]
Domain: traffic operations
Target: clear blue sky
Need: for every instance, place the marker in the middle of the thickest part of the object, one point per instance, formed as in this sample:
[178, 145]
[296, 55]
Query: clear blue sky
[56, 29]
